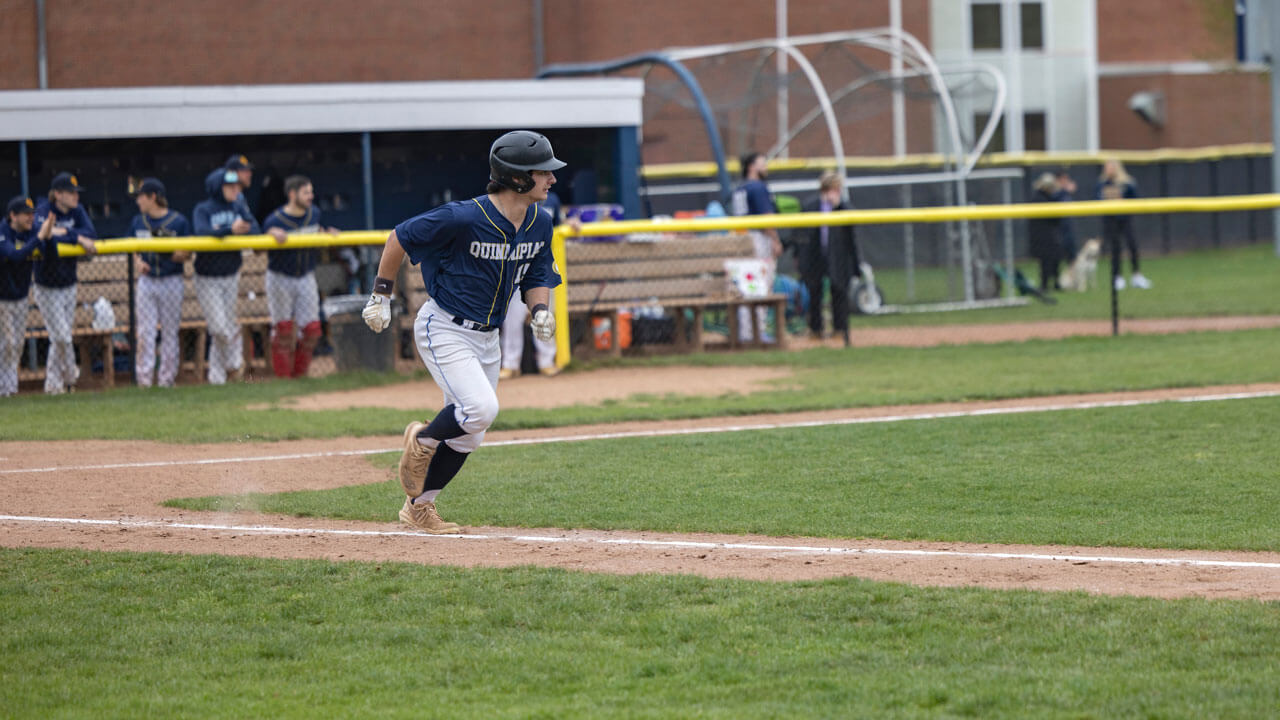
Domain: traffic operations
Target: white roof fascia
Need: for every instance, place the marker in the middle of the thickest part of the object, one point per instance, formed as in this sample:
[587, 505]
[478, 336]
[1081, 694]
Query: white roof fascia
[320, 108]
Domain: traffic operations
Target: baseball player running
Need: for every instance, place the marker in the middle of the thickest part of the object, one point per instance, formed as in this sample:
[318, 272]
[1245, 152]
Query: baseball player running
[474, 254]
[55, 277]
[159, 295]
[292, 295]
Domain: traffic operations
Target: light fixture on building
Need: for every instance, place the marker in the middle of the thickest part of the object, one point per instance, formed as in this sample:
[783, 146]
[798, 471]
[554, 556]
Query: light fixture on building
[1149, 106]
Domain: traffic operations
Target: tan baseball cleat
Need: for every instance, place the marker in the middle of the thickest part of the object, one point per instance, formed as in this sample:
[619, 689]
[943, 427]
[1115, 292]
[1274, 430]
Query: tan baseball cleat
[414, 461]
[423, 516]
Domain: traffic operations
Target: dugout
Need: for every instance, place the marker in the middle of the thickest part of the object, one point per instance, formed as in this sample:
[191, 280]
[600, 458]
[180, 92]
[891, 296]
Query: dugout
[376, 152]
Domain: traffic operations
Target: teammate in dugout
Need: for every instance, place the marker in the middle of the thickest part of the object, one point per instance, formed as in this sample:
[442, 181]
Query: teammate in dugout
[474, 255]
[55, 278]
[217, 280]
[292, 296]
[18, 241]
[159, 294]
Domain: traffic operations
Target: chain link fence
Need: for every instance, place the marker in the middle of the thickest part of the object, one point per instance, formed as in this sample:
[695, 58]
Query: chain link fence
[149, 319]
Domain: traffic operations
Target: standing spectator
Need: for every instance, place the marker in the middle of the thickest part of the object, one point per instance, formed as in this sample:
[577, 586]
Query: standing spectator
[1113, 184]
[1046, 244]
[55, 278]
[828, 252]
[292, 295]
[752, 198]
[518, 315]
[1066, 192]
[159, 295]
[18, 241]
[218, 273]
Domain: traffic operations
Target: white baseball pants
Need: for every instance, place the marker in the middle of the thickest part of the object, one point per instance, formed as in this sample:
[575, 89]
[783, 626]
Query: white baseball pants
[465, 364]
[293, 298]
[217, 296]
[159, 300]
[58, 308]
[513, 339]
[13, 325]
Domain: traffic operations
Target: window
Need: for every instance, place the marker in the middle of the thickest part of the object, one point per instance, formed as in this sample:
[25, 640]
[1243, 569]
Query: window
[985, 26]
[1033, 132]
[1032, 25]
[997, 137]
[986, 30]
[1034, 136]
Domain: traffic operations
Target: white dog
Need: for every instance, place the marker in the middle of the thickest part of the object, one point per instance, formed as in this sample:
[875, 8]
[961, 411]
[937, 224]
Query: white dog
[1082, 273]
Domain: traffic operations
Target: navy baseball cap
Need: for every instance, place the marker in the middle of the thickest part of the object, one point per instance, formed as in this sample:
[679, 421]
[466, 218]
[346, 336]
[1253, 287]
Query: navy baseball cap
[66, 181]
[149, 186]
[21, 204]
[239, 162]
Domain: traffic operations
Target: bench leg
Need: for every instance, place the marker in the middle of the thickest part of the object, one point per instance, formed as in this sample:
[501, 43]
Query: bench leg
[696, 340]
[731, 310]
[108, 361]
[780, 312]
[681, 338]
[202, 344]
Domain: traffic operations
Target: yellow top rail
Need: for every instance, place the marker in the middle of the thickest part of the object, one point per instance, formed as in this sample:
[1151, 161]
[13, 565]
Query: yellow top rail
[1141, 206]
[1033, 158]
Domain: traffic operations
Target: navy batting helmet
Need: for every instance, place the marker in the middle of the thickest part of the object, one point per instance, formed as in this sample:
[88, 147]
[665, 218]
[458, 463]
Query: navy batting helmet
[514, 155]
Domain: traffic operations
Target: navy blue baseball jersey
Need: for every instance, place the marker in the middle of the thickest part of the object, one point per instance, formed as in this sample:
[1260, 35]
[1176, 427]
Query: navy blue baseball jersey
[215, 217]
[473, 259]
[173, 224]
[15, 260]
[300, 261]
[61, 272]
[752, 198]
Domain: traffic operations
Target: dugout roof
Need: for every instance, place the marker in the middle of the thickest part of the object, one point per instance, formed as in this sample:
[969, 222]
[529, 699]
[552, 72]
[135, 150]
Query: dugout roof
[319, 108]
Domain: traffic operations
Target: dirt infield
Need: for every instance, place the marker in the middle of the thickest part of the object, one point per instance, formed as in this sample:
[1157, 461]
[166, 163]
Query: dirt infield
[98, 495]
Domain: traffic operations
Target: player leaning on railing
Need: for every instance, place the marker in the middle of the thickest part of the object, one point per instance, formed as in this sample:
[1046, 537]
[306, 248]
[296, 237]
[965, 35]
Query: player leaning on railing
[55, 278]
[474, 254]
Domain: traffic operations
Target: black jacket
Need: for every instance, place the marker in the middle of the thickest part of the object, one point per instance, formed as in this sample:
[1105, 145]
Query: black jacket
[842, 249]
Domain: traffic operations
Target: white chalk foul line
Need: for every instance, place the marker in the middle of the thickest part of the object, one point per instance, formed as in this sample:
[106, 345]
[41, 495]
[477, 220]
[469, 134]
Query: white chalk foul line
[668, 432]
[685, 544]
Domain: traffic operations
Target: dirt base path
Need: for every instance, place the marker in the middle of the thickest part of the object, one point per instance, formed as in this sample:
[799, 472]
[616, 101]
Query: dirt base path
[104, 495]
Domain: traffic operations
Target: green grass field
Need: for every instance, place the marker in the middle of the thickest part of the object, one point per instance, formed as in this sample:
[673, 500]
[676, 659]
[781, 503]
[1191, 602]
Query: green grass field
[97, 634]
[1234, 281]
[823, 379]
[1173, 475]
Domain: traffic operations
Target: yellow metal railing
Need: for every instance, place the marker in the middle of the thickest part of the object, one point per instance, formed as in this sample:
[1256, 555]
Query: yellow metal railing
[1144, 206]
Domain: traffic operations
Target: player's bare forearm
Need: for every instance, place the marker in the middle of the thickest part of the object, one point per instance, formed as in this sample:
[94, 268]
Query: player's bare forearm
[537, 296]
[392, 256]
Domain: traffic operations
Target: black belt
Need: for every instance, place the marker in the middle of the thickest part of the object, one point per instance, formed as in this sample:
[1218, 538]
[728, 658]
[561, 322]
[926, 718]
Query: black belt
[473, 325]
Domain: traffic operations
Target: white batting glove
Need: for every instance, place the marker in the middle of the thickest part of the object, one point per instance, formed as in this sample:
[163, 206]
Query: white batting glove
[544, 323]
[377, 312]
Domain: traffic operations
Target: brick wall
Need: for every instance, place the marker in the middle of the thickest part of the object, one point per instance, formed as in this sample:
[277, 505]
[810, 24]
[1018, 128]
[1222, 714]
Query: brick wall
[18, 45]
[1165, 30]
[1211, 109]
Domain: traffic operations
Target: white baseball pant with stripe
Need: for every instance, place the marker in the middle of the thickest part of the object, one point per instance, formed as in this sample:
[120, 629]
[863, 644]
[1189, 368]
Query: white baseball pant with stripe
[13, 325]
[465, 364]
[217, 295]
[159, 301]
[58, 309]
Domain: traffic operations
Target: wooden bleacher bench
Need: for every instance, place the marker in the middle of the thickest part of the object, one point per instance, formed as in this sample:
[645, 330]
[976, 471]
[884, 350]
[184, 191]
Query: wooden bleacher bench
[680, 273]
[107, 276]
